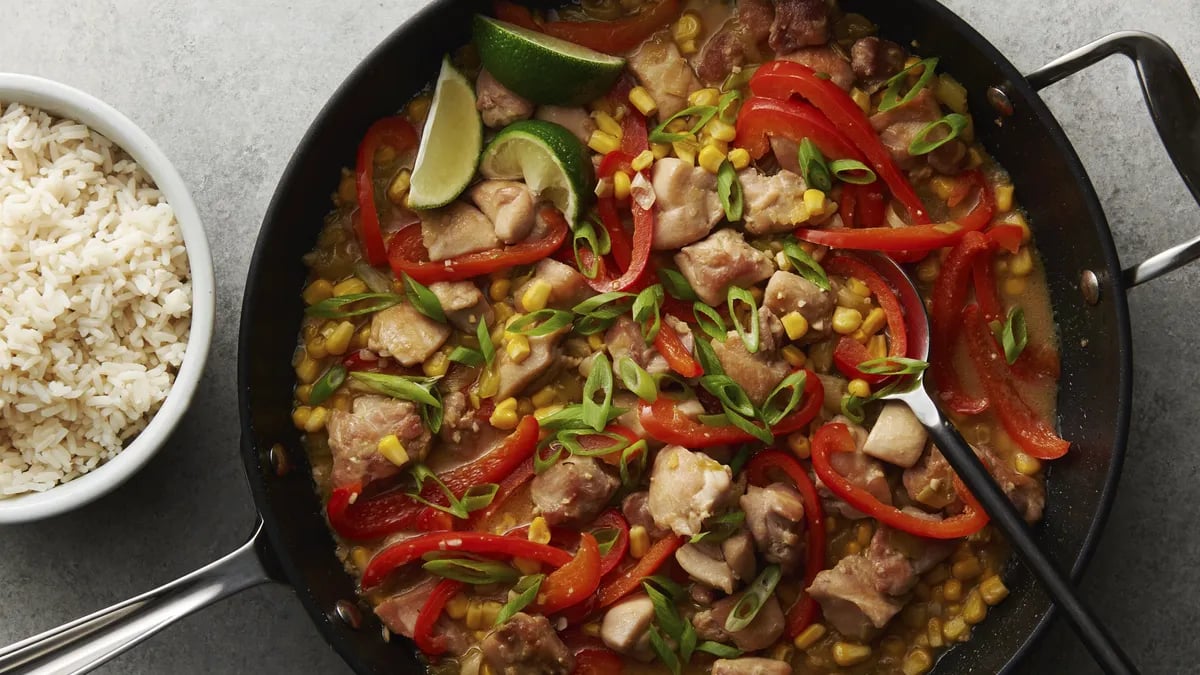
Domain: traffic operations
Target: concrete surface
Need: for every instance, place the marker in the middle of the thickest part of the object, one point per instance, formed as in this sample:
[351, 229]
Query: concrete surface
[227, 88]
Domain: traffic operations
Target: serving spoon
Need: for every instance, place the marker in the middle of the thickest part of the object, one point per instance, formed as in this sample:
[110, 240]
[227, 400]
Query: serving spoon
[1104, 649]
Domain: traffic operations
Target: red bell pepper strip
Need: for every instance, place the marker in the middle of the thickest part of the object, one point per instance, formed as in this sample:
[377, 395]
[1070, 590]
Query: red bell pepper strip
[949, 296]
[398, 133]
[761, 118]
[598, 661]
[1037, 362]
[985, 287]
[847, 208]
[610, 37]
[574, 582]
[633, 142]
[870, 205]
[835, 437]
[781, 79]
[1033, 434]
[663, 421]
[804, 612]
[423, 635]
[1007, 237]
[849, 352]
[625, 583]
[479, 543]
[917, 238]
[510, 484]
[614, 520]
[670, 345]
[407, 254]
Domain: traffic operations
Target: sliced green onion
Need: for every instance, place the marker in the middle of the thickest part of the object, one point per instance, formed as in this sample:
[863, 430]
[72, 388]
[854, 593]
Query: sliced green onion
[665, 612]
[599, 381]
[676, 285]
[367, 303]
[423, 299]
[703, 114]
[757, 431]
[470, 571]
[954, 124]
[485, 342]
[572, 417]
[728, 106]
[1014, 336]
[852, 171]
[647, 310]
[542, 322]
[893, 365]
[708, 359]
[633, 463]
[891, 95]
[479, 496]
[569, 438]
[721, 651]
[667, 585]
[606, 538]
[709, 321]
[813, 167]
[793, 386]
[323, 388]
[852, 408]
[804, 264]
[457, 508]
[739, 79]
[729, 190]
[750, 336]
[543, 461]
[713, 420]
[596, 240]
[432, 415]
[664, 652]
[752, 600]
[520, 597]
[729, 393]
[467, 356]
[674, 386]
[721, 527]
[406, 387]
[739, 459]
[606, 305]
[687, 642]
[636, 379]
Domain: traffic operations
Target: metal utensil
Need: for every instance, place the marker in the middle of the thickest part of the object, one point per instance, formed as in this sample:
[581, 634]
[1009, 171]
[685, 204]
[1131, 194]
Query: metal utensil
[975, 476]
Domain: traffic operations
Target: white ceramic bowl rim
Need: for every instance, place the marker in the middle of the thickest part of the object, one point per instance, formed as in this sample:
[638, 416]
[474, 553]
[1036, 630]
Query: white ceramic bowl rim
[64, 101]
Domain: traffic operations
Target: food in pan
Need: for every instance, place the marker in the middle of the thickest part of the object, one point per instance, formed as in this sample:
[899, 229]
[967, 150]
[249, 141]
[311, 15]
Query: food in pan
[611, 401]
[95, 301]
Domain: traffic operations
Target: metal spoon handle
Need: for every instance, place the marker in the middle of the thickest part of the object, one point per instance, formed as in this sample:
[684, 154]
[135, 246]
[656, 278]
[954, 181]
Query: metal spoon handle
[975, 476]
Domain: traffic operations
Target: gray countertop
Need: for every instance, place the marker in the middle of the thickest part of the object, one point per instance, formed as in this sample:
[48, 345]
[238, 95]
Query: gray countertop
[227, 88]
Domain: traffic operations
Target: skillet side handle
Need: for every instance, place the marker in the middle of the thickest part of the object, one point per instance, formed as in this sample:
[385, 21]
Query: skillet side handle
[1174, 107]
[84, 644]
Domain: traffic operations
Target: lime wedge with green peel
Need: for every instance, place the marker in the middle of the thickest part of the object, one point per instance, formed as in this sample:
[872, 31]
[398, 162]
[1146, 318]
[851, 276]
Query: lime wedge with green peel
[450, 143]
[551, 161]
[542, 68]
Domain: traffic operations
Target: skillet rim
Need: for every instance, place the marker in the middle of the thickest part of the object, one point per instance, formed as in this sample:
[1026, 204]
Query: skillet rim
[285, 569]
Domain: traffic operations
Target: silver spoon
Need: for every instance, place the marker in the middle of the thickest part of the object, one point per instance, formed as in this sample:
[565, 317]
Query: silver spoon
[1107, 653]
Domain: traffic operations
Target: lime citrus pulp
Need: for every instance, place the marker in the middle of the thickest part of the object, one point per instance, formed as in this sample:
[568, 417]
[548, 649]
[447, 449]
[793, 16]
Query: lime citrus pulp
[550, 159]
[450, 143]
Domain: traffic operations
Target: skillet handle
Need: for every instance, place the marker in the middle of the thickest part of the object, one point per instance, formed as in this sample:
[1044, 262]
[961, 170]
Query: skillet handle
[1174, 107]
[84, 644]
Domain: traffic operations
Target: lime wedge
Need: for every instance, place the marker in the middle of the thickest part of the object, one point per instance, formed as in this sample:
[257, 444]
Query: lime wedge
[542, 68]
[450, 143]
[551, 161]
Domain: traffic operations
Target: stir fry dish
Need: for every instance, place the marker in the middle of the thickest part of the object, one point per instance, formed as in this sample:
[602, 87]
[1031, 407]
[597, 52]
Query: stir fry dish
[592, 366]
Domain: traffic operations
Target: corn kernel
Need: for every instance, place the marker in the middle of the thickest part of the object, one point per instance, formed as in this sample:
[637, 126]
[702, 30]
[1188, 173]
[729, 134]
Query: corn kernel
[943, 186]
[316, 419]
[539, 531]
[1004, 197]
[1017, 218]
[317, 291]
[711, 158]
[858, 287]
[686, 150]
[877, 347]
[456, 607]
[952, 590]
[966, 569]
[1021, 264]
[300, 416]
[504, 417]
[641, 99]
[874, 321]
[303, 392]
[1014, 287]
[339, 340]
[591, 628]
[929, 269]
[603, 143]
[782, 652]
[643, 160]
[527, 566]
[536, 295]
[862, 99]
[795, 325]
[706, 96]
[524, 407]
[687, 27]
[934, 633]
[360, 556]
[847, 654]
[393, 450]
[499, 288]
[955, 629]
[621, 185]
[1026, 464]
[814, 201]
[660, 150]
[347, 191]
[993, 590]
[852, 548]
[739, 158]
[794, 356]
[546, 411]
[809, 636]
[974, 609]
[974, 158]
[846, 320]
[720, 130]
[545, 396]
[361, 338]
[350, 286]
[918, 662]
[488, 612]
[798, 443]
[606, 123]
[517, 348]
[308, 370]
[859, 387]
[893, 646]
[596, 342]
[342, 401]
[474, 616]
[398, 188]
[639, 541]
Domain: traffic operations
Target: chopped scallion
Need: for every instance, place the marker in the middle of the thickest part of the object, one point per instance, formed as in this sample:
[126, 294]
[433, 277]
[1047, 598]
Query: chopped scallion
[636, 379]
[750, 335]
[813, 167]
[852, 171]
[520, 597]
[423, 299]
[599, 381]
[359, 304]
[324, 387]
[891, 95]
[471, 571]
[702, 113]
[953, 124]
[804, 264]
[752, 599]
[729, 191]
[1015, 335]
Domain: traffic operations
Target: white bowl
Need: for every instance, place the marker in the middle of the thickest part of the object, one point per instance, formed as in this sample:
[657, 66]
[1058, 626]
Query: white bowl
[63, 101]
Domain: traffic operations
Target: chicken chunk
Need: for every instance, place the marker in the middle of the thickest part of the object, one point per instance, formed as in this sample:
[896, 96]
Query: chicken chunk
[1026, 493]
[457, 229]
[930, 481]
[508, 204]
[875, 60]
[625, 628]
[464, 304]
[573, 491]
[849, 599]
[721, 260]
[567, 286]
[686, 203]
[399, 612]
[824, 60]
[775, 516]
[773, 204]
[354, 438]
[897, 437]
[750, 665]
[686, 488]
[515, 376]
[574, 119]
[799, 23]
[859, 469]
[405, 334]
[661, 69]
[636, 509]
[758, 373]
[738, 551]
[706, 564]
[899, 126]
[762, 632]
[526, 645]
[899, 558]
[787, 292]
[497, 104]
[625, 338]
[754, 18]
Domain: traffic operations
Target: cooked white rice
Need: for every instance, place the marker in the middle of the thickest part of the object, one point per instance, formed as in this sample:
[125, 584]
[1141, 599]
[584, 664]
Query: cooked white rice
[94, 299]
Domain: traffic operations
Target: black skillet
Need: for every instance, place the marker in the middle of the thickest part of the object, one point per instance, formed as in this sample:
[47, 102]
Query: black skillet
[292, 544]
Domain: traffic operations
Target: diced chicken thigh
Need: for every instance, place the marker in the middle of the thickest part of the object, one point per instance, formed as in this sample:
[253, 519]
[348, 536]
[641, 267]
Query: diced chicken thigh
[849, 599]
[508, 204]
[686, 203]
[799, 23]
[399, 612]
[516, 376]
[875, 60]
[526, 645]
[899, 558]
[750, 665]
[775, 516]
[706, 564]
[625, 628]
[573, 491]
[457, 229]
[787, 292]
[897, 436]
[762, 632]
[463, 303]
[899, 126]
[930, 481]
[572, 118]
[354, 438]
[567, 286]
[824, 60]
[405, 334]
[636, 509]
[859, 469]
[497, 104]
[661, 69]
[686, 488]
[721, 260]
[739, 555]
[758, 373]
[773, 204]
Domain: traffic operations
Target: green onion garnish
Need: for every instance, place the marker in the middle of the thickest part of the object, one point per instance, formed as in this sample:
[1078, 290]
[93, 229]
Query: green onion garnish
[633, 463]
[606, 305]
[606, 538]
[703, 114]
[891, 95]
[729, 190]
[594, 239]
[542, 322]
[813, 167]
[599, 381]
[636, 379]
[709, 321]
[665, 611]
[708, 359]
[422, 390]
[663, 650]
[728, 106]
[365, 303]
[676, 285]
[467, 356]
[423, 299]
[721, 651]
[323, 388]
[475, 498]
[721, 527]
[757, 431]
[852, 171]
[470, 571]
[543, 460]
[485, 342]
[569, 439]
[1015, 335]
[793, 386]
[804, 264]
[893, 365]
[752, 600]
[647, 311]
[571, 417]
[521, 595]
[729, 393]
[954, 124]
[750, 335]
